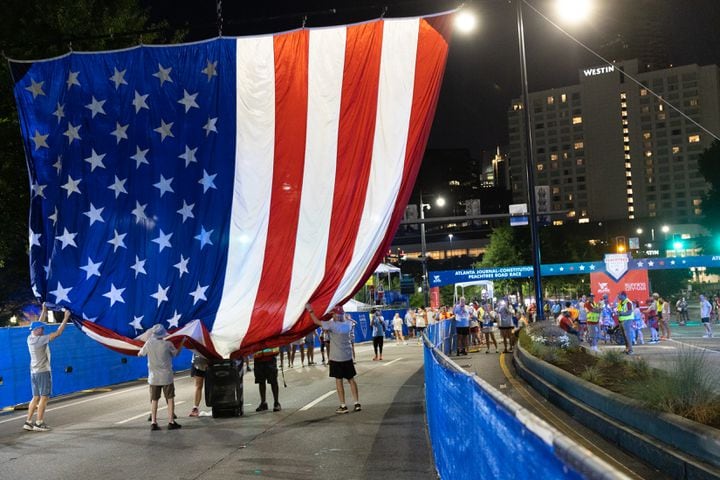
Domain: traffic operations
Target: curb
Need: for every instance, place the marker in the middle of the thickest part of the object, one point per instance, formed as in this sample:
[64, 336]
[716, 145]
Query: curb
[679, 447]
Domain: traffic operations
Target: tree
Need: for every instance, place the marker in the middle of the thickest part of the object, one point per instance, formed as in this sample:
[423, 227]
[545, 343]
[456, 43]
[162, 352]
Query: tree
[507, 248]
[708, 165]
[42, 29]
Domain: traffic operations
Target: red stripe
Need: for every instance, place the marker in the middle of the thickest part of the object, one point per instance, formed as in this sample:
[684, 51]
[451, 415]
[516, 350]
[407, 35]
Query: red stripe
[291, 90]
[356, 135]
[429, 69]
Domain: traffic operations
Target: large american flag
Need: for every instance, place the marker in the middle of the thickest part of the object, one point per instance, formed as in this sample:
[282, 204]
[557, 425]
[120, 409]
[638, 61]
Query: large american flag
[217, 187]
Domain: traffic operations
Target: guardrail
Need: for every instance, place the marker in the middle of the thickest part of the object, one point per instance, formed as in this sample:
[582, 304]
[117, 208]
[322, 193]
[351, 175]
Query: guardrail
[477, 432]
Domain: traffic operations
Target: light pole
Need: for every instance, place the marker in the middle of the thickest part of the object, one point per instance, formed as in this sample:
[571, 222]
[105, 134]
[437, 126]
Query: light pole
[529, 166]
[450, 236]
[440, 201]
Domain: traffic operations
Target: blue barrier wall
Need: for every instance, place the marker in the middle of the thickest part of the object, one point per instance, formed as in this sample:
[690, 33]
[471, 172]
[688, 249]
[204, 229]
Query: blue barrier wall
[78, 363]
[473, 435]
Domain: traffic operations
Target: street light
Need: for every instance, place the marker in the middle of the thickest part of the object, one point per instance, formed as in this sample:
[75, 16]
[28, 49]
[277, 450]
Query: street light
[439, 201]
[450, 236]
[639, 231]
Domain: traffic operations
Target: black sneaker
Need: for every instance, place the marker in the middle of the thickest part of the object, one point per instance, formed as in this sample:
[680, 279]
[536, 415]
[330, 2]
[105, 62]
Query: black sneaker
[277, 407]
[41, 427]
[154, 427]
[174, 426]
[28, 426]
[262, 407]
[341, 410]
[357, 407]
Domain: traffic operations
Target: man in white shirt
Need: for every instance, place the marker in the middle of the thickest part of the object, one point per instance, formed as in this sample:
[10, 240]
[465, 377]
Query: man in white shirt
[40, 376]
[160, 353]
[341, 357]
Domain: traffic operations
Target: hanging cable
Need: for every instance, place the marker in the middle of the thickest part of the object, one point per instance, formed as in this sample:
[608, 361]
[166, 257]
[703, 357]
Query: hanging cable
[608, 62]
[218, 7]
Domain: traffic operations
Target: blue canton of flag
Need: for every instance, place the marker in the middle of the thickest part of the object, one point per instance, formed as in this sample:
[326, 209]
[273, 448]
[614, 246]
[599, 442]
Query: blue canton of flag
[131, 169]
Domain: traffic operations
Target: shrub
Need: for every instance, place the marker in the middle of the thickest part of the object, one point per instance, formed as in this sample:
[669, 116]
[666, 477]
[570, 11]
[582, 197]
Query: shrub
[639, 369]
[593, 374]
[611, 359]
[689, 388]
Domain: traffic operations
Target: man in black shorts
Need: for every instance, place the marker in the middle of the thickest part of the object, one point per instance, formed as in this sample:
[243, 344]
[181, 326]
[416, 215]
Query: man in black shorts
[266, 371]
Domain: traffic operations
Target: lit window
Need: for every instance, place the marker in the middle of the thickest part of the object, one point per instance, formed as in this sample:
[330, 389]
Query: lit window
[694, 102]
[631, 209]
[698, 211]
[576, 120]
[623, 104]
[624, 114]
[570, 197]
[454, 183]
[581, 145]
[647, 135]
[675, 149]
[653, 214]
[627, 156]
[643, 92]
[629, 183]
[557, 222]
[571, 214]
[661, 116]
[697, 202]
[661, 108]
[626, 130]
[556, 190]
[550, 100]
[628, 165]
[631, 217]
[565, 155]
[648, 153]
[651, 205]
[584, 220]
[563, 98]
[579, 162]
[625, 123]
[540, 167]
[517, 106]
[553, 157]
[629, 191]
[627, 148]
[694, 138]
[623, 96]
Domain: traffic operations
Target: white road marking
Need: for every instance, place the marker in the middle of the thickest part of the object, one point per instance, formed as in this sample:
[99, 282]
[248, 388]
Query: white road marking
[693, 346]
[390, 363]
[145, 414]
[99, 397]
[316, 401]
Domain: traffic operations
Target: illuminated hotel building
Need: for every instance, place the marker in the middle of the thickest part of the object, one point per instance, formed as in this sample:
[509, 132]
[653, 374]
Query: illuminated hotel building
[609, 149]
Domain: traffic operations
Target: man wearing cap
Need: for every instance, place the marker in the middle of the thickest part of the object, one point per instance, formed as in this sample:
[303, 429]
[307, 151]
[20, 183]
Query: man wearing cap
[341, 358]
[40, 376]
[160, 353]
[626, 317]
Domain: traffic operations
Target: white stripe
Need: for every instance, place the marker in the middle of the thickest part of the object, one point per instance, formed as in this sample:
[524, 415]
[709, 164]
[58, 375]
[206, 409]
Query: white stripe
[395, 94]
[110, 342]
[325, 77]
[145, 414]
[316, 401]
[390, 363]
[254, 156]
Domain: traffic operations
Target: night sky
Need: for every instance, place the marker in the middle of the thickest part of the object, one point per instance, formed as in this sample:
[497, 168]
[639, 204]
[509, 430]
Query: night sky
[483, 71]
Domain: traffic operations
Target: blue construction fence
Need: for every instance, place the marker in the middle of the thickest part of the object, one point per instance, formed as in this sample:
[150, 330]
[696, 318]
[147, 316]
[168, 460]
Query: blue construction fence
[477, 432]
[78, 363]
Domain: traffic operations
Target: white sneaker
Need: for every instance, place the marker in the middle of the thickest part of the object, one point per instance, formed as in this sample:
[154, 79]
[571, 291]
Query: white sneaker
[706, 336]
[41, 427]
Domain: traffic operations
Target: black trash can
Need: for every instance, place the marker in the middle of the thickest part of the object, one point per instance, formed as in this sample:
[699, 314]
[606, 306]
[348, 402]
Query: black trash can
[224, 388]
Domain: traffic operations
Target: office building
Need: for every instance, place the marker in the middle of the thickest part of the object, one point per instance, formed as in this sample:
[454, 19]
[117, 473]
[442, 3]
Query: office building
[609, 149]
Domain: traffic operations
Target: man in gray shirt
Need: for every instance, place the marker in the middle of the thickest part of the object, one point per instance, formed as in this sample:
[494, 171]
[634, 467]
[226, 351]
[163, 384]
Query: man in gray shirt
[160, 353]
[341, 355]
[40, 377]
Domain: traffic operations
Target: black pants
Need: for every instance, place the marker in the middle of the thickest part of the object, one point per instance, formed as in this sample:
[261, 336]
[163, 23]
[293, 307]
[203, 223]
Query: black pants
[378, 344]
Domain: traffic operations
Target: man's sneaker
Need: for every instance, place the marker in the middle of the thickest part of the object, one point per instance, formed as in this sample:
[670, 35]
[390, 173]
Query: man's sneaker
[277, 407]
[357, 407]
[262, 407]
[154, 427]
[341, 410]
[174, 426]
[194, 412]
[28, 426]
[41, 427]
